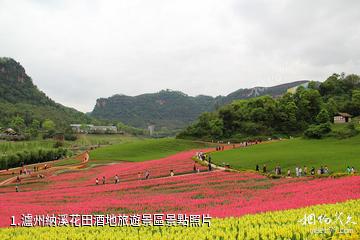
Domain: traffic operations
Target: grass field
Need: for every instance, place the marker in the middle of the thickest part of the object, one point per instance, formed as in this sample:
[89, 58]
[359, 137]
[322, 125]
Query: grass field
[336, 154]
[12, 147]
[141, 150]
[102, 139]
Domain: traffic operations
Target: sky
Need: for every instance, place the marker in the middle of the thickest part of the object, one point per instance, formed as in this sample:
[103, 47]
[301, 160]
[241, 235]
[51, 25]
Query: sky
[79, 50]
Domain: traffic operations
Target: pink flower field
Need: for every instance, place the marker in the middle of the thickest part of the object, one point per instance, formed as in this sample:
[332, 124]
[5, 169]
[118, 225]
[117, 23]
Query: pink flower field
[218, 193]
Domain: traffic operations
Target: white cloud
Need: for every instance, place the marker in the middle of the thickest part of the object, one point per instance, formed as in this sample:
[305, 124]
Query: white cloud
[77, 51]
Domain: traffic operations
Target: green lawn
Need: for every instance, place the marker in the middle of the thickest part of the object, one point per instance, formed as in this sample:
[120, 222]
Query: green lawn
[336, 154]
[102, 139]
[141, 150]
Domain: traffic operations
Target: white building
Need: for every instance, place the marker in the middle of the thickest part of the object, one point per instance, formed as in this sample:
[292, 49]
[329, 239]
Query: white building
[342, 118]
[89, 128]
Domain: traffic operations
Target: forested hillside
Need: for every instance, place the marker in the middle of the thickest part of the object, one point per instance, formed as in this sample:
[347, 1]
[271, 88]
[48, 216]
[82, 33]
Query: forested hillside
[308, 111]
[19, 97]
[173, 109]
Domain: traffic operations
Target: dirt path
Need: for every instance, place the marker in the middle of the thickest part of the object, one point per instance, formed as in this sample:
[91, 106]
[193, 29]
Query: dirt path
[83, 158]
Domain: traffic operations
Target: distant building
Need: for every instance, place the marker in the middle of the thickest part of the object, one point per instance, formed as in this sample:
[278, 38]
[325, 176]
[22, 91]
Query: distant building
[78, 128]
[59, 137]
[342, 118]
[89, 128]
[10, 132]
[151, 129]
[103, 129]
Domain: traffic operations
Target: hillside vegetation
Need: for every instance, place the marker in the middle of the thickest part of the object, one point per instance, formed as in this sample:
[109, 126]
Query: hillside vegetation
[20, 97]
[29, 111]
[172, 109]
[307, 111]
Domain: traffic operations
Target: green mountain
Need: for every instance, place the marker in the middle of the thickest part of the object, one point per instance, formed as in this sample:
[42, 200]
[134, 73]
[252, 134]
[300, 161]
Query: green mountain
[173, 109]
[20, 97]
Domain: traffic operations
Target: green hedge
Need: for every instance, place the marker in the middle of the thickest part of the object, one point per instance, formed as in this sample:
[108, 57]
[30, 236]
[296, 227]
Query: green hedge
[32, 156]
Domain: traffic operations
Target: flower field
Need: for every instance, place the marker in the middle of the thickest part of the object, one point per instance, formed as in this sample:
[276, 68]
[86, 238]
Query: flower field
[284, 225]
[218, 193]
[243, 205]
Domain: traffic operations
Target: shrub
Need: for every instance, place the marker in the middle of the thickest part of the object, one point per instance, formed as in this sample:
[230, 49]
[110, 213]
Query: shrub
[347, 132]
[318, 131]
[70, 137]
[30, 157]
[58, 144]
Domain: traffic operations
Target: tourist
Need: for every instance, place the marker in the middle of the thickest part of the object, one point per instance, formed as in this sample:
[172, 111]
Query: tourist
[198, 170]
[171, 173]
[312, 172]
[18, 179]
[288, 173]
[97, 181]
[348, 170]
[300, 172]
[17, 188]
[147, 174]
[297, 171]
[194, 168]
[209, 158]
[210, 167]
[103, 180]
[305, 170]
[276, 170]
[257, 167]
[326, 170]
[117, 180]
[264, 168]
[352, 170]
[319, 172]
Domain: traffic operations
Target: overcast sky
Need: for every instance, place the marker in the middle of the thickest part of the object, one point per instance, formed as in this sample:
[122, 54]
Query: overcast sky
[79, 50]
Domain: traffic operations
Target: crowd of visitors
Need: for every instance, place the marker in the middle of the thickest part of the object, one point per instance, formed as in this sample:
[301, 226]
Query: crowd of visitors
[302, 171]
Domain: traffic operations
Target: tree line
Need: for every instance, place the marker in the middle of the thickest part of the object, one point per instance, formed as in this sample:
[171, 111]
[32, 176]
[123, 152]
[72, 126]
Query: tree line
[308, 111]
[27, 157]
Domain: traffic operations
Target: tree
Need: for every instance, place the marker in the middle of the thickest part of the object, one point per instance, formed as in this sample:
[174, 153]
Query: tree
[318, 131]
[356, 102]
[35, 124]
[323, 116]
[18, 124]
[33, 130]
[313, 85]
[48, 125]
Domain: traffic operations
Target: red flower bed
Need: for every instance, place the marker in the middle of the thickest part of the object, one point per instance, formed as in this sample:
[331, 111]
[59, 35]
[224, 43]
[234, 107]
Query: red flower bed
[218, 193]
